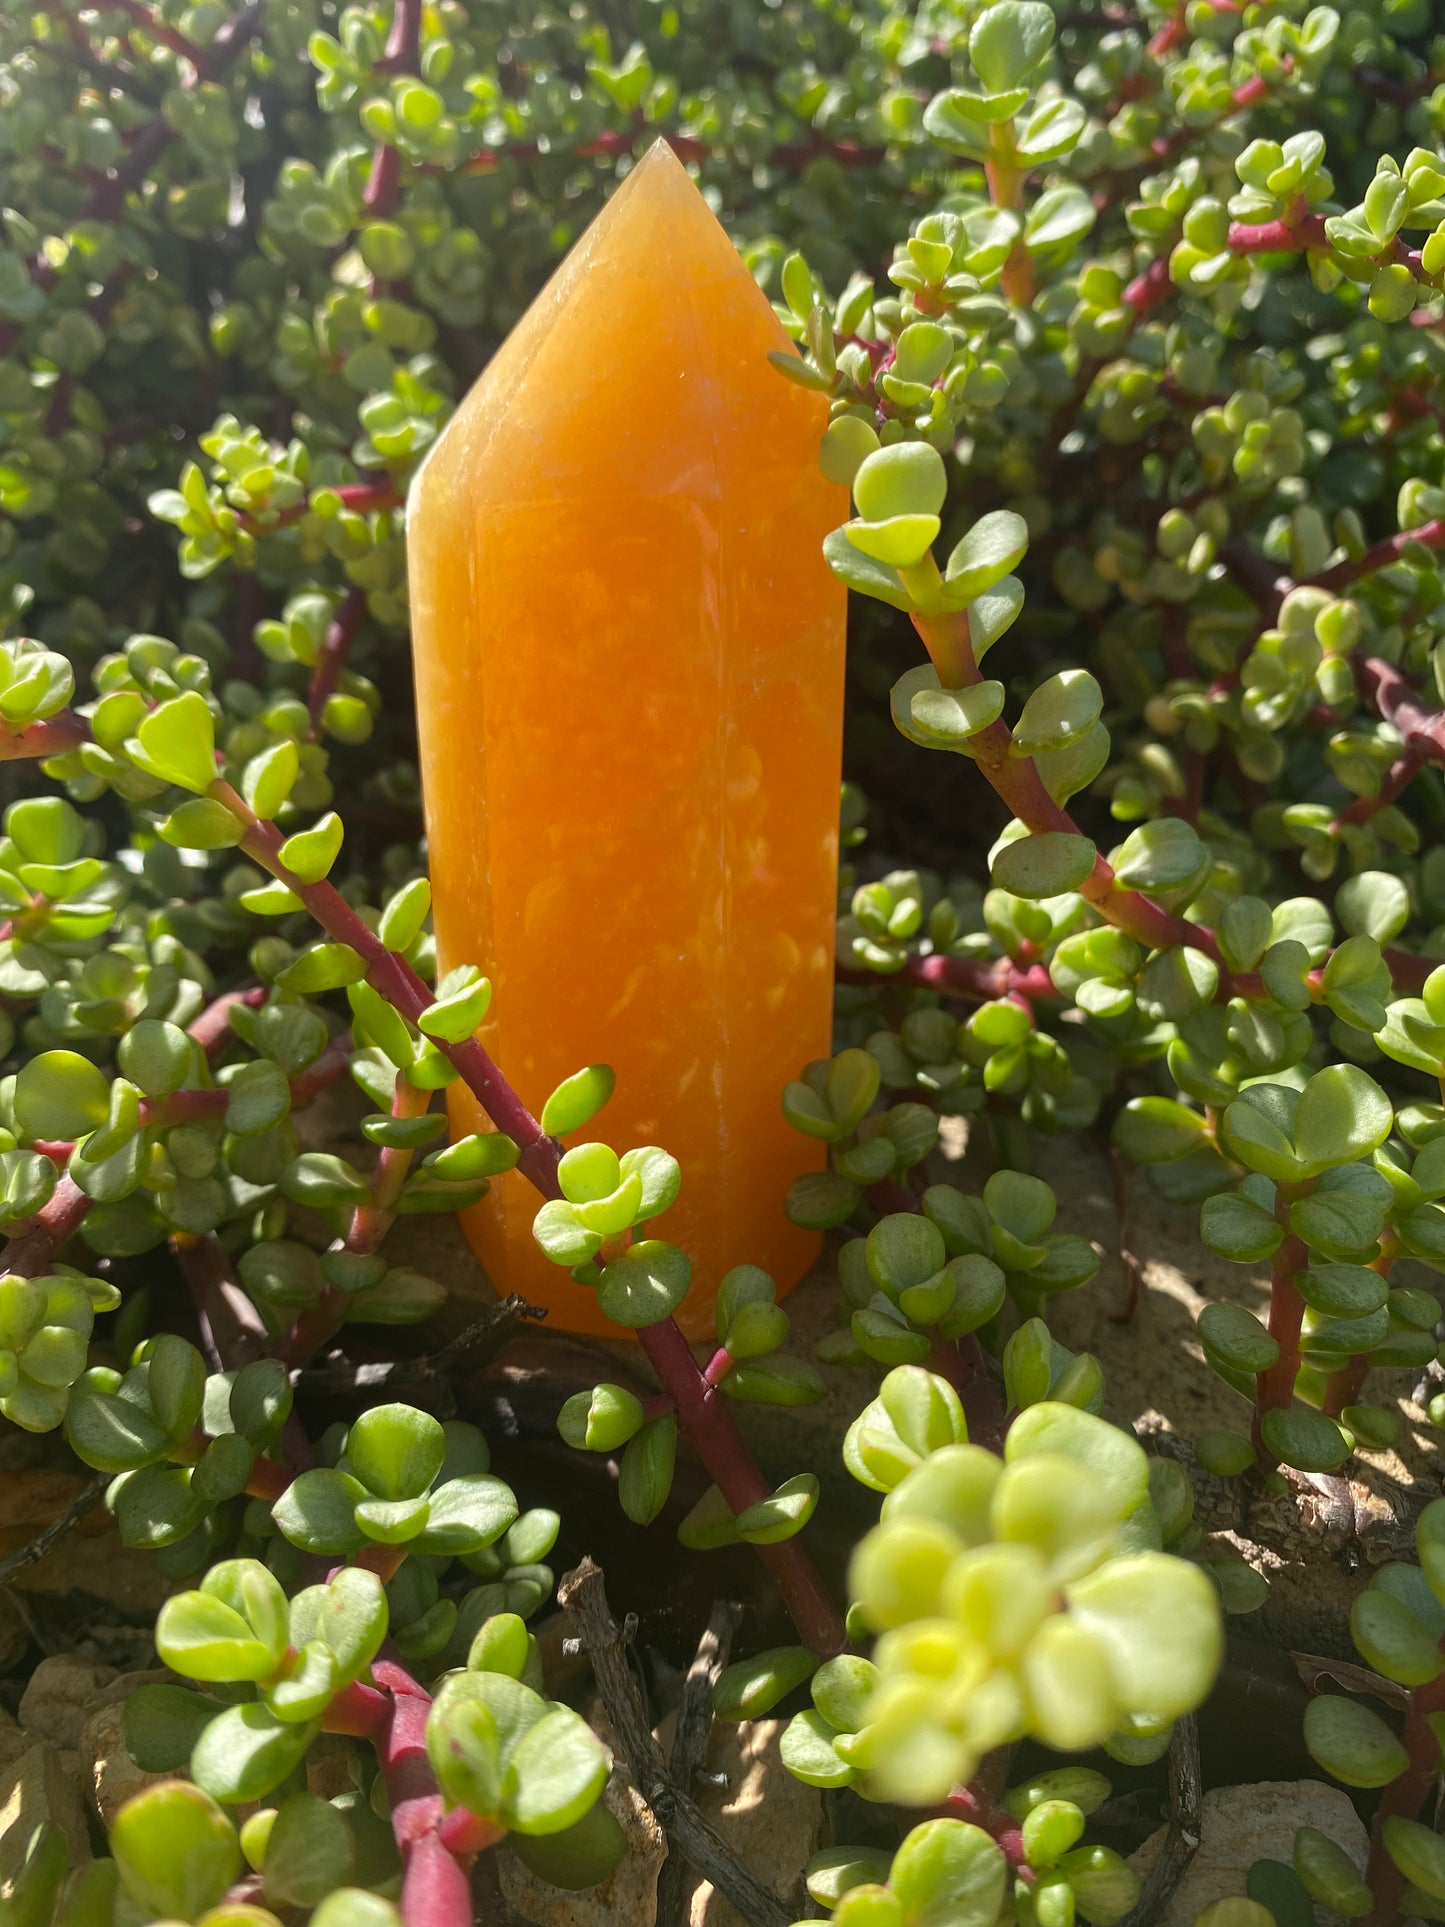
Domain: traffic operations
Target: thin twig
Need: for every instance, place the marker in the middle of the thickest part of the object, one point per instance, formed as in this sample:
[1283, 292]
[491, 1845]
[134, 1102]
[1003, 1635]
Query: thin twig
[86, 1500]
[689, 1749]
[1186, 1822]
[583, 1596]
[484, 1336]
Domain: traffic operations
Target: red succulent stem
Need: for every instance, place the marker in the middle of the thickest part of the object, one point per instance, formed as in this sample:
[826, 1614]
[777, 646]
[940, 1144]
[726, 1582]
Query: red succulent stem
[383, 185]
[1397, 702]
[970, 978]
[617, 141]
[1016, 781]
[1299, 231]
[1346, 1385]
[31, 1252]
[1274, 1388]
[1172, 34]
[233, 1332]
[1149, 289]
[710, 1425]
[464, 1832]
[360, 497]
[1404, 1797]
[705, 1414]
[973, 1804]
[392, 977]
[436, 1844]
[212, 1029]
[436, 1888]
[402, 56]
[335, 652]
[1292, 234]
[360, 1712]
[152, 25]
[55, 737]
[370, 1223]
[1401, 773]
[1430, 535]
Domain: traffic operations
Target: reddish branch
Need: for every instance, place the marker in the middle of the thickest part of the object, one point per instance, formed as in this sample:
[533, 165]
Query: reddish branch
[370, 1223]
[436, 1846]
[1401, 773]
[335, 651]
[402, 56]
[1421, 730]
[971, 1803]
[706, 1416]
[55, 737]
[233, 1331]
[1274, 1389]
[1016, 780]
[151, 24]
[1291, 235]
[1430, 535]
[360, 497]
[106, 199]
[710, 1425]
[31, 1252]
[1259, 578]
[157, 135]
[1149, 289]
[964, 977]
[212, 1029]
[1299, 231]
[1405, 1797]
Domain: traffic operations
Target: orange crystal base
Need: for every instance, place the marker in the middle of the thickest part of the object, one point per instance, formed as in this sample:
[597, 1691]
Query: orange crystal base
[629, 664]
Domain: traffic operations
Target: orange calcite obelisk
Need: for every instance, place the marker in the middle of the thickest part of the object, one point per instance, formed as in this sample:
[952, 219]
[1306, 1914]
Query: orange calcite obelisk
[629, 664]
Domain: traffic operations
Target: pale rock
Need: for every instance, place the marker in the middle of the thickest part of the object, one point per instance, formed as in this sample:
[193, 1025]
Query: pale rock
[770, 1820]
[627, 1898]
[1242, 1824]
[13, 1741]
[53, 1707]
[99, 1566]
[40, 1787]
[109, 1774]
[124, 1686]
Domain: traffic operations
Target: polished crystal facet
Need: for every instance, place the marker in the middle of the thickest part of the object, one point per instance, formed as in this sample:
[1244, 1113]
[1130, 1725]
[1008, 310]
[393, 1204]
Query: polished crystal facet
[629, 661]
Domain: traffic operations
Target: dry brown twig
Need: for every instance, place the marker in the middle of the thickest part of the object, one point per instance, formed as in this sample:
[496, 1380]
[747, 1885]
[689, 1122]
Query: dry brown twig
[583, 1596]
[689, 1748]
[1186, 1822]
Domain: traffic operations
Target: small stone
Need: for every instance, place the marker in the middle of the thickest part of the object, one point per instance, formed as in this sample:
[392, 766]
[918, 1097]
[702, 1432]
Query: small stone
[124, 1686]
[1242, 1824]
[53, 1706]
[627, 1898]
[39, 1787]
[97, 1565]
[109, 1775]
[770, 1820]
